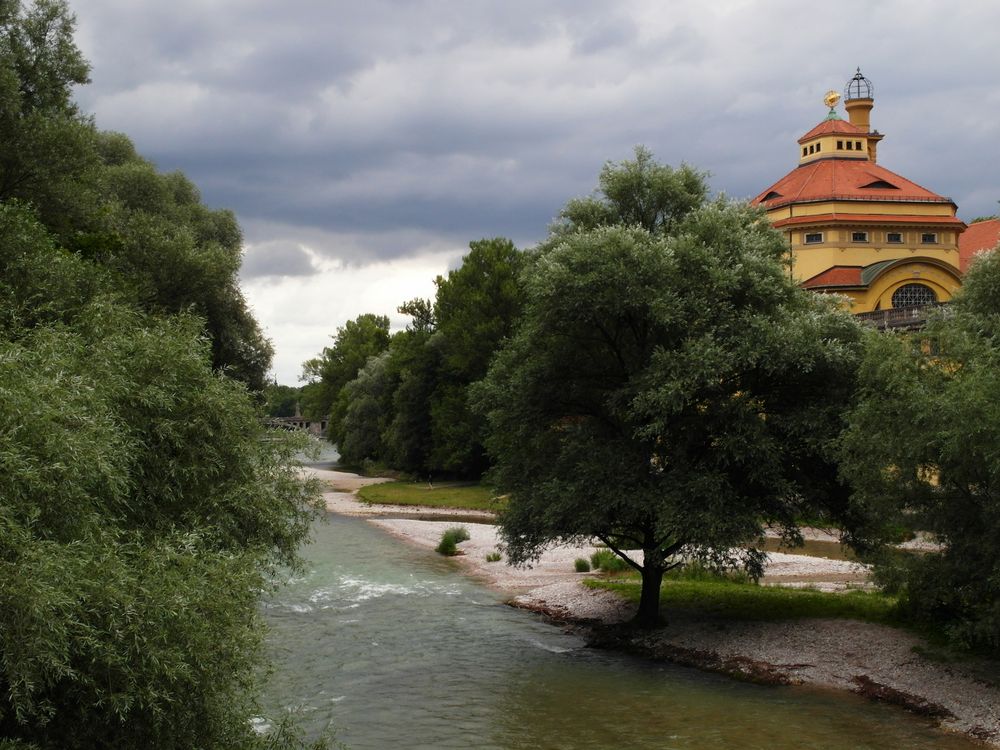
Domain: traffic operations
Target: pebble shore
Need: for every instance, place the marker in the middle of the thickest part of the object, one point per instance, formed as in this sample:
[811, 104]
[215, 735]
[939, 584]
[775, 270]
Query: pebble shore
[879, 662]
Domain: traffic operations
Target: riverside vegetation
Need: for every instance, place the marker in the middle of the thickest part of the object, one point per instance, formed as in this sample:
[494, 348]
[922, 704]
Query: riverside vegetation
[143, 507]
[648, 376]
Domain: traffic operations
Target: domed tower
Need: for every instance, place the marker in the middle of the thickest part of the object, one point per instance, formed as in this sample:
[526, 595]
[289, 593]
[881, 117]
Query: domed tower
[854, 227]
[858, 101]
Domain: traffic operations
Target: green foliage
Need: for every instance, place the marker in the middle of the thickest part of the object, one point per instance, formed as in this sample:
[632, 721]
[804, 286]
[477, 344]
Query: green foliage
[44, 141]
[447, 495]
[450, 539]
[580, 565]
[39, 283]
[143, 507]
[718, 597]
[695, 571]
[367, 413]
[608, 561]
[939, 473]
[476, 308]
[161, 249]
[672, 391]
[413, 364]
[280, 400]
[408, 407]
[142, 510]
[356, 341]
[493, 557]
[640, 193]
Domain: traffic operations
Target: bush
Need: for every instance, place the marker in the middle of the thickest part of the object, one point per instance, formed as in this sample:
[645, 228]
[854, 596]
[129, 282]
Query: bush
[581, 565]
[608, 561]
[697, 571]
[493, 557]
[449, 540]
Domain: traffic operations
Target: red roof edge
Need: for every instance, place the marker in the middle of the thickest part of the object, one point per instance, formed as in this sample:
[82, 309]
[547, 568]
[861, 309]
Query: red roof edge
[838, 276]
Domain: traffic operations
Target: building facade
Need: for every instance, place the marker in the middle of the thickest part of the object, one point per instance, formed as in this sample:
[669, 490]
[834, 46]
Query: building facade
[856, 228]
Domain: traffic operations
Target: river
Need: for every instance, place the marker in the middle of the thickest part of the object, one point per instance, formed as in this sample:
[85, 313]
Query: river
[393, 647]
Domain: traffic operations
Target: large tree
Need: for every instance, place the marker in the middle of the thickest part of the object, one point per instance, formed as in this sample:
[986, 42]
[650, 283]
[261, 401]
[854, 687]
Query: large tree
[669, 392]
[923, 449]
[143, 507]
[636, 192]
[165, 251]
[337, 365]
[475, 309]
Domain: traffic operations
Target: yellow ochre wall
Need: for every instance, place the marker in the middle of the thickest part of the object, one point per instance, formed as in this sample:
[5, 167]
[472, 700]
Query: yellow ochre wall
[879, 295]
[838, 249]
[828, 147]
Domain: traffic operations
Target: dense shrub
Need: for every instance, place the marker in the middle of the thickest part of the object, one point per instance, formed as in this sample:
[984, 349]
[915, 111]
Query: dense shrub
[450, 540]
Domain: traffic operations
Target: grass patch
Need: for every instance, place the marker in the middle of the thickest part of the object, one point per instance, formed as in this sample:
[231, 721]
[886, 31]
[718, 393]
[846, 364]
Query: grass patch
[450, 539]
[464, 496]
[580, 565]
[493, 557]
[719, 597]
[608, 561]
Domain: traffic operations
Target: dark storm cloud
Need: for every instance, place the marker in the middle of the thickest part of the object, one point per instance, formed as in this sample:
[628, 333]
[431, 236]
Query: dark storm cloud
[276, 259]
[460, 120]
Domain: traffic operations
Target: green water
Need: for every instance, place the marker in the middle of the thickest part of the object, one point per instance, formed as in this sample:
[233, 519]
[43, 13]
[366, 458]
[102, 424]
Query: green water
[396, 649]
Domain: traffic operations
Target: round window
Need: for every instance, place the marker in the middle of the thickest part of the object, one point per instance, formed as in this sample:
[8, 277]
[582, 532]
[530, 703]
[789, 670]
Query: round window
[912, 295]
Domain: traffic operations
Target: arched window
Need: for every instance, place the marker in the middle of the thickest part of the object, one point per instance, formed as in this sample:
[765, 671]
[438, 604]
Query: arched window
[911, 295]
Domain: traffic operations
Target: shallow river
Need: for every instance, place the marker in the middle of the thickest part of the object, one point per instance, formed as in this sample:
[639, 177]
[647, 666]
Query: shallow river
[396, 649]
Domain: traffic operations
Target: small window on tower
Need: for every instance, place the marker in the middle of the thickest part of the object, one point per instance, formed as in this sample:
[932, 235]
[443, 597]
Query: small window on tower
[804, 151]
[929, 238]
[818, 146]
[840, 145]
[894, 238]
[850, 145]
[857, 145]
[814, 238]
[859, 236]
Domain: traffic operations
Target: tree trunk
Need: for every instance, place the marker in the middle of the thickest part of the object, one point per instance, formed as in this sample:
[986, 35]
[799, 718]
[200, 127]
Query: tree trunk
[648, 615]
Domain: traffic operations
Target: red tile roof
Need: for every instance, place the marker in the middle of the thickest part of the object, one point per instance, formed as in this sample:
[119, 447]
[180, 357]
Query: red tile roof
[837, 276]
[983, 235]
[886, 219]
[828, 127]
[844, 179]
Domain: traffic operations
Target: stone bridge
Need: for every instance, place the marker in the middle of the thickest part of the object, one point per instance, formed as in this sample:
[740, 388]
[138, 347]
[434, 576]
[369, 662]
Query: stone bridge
[312, 426]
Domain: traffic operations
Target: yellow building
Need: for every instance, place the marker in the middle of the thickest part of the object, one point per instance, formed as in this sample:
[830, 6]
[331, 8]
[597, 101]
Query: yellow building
[854, 227]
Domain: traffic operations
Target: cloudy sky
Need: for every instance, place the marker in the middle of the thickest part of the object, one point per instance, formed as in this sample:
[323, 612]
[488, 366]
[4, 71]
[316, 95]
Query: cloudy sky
[364, 144]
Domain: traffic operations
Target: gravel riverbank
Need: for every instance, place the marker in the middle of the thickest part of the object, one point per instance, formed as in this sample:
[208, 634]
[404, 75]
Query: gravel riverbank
[879, 662]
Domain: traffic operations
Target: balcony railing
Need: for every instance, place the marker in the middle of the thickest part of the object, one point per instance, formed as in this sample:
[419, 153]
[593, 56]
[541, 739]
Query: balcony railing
[900, 318]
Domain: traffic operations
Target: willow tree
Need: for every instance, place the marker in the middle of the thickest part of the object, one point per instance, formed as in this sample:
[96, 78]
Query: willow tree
[669, 393]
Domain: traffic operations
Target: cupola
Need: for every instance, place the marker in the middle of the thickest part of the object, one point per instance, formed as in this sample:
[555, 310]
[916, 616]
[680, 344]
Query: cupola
[858, 101]
[833, 137]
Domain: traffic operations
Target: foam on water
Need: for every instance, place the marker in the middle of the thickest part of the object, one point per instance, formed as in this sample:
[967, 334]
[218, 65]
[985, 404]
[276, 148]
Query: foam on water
[349, 591]
[390, 646]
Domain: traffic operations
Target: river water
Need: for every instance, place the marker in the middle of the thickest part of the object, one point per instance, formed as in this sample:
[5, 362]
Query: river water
[393, 647]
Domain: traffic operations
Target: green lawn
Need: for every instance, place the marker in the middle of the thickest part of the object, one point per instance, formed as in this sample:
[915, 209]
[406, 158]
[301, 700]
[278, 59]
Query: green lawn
[464, 496]
[748, 601]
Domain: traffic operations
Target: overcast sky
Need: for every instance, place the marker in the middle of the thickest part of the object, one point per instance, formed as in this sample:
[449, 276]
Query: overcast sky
[362, 145]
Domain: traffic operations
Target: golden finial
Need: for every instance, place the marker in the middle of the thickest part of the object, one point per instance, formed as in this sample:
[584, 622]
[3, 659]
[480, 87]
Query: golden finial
[831, 98]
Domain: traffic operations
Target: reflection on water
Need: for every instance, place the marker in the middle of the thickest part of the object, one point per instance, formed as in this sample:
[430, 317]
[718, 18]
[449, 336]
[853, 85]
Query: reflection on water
[397, 650]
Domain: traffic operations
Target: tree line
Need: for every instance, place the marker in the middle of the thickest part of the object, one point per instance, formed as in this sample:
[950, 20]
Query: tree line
[143, 508]
[650, 376]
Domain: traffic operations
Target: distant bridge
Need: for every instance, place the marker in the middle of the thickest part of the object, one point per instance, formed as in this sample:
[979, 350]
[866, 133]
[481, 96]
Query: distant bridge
[312, 426]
